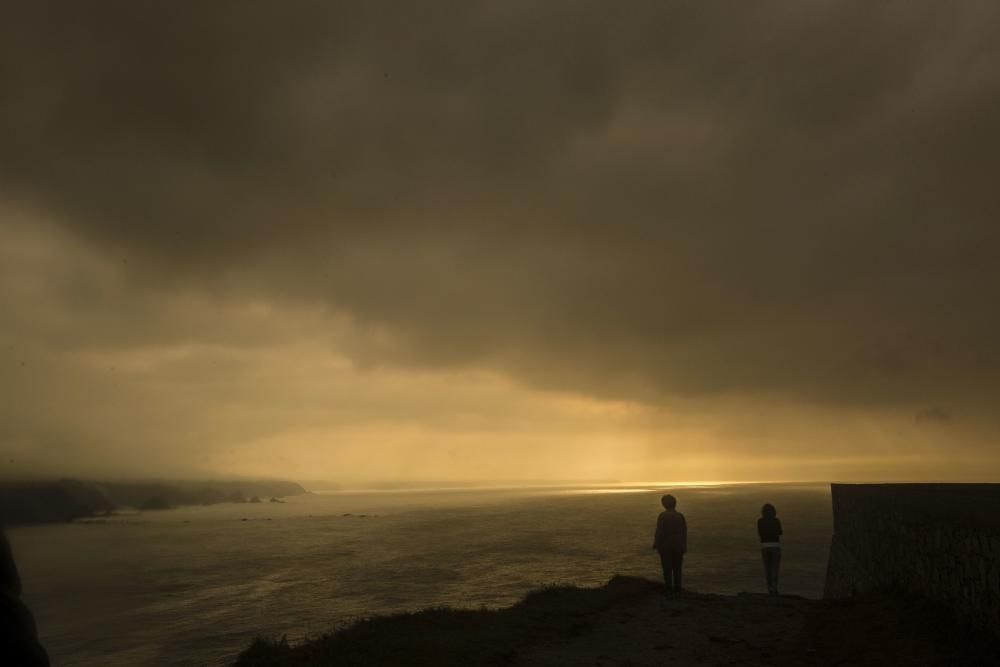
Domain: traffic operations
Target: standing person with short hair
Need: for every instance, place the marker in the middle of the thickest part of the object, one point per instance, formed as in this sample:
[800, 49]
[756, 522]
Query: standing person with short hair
[671, 542]
[769, 530]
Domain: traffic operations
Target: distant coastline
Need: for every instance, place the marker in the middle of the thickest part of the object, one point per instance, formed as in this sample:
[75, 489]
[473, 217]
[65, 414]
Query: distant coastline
[64, 500]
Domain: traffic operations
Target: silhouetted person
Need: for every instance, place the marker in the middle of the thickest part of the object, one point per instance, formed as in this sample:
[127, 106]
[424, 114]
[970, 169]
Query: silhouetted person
[769, 530]
[671, 542]
[19, 645]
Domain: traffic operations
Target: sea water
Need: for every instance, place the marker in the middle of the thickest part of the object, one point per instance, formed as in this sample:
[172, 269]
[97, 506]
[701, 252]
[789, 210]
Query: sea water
[193, 586]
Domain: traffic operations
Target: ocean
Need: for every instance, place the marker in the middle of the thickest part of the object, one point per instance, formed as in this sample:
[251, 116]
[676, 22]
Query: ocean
[193, 586]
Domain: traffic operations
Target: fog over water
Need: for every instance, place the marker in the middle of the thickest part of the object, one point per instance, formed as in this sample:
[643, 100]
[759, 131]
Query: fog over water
[194, 585]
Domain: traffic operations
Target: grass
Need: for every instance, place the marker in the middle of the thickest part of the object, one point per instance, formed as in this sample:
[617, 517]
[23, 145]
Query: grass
[443, 636]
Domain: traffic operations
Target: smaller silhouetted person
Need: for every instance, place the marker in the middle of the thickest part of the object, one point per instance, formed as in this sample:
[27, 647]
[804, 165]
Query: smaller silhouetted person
[19, 645]
[769, 530]
[671, 542]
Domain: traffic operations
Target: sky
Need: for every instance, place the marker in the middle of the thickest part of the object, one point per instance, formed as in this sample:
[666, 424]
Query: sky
[500, 241]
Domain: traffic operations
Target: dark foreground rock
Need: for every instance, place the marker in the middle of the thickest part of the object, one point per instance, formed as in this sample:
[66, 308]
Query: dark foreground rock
[634, 622]
[19, 645]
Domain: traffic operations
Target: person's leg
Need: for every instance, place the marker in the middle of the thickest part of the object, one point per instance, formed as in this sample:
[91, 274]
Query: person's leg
[775, 567]
[665, 564]
[678, 563]
[767, 557]
[772, 557]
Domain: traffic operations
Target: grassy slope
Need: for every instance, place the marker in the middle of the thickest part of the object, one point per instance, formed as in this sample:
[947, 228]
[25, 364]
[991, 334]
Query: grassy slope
[452, 636]
[633, 621]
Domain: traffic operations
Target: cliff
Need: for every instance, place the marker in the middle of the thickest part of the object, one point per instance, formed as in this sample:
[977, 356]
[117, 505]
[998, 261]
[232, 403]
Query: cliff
[937, 541]
[46, 502]
[636, 622]
[66, 500]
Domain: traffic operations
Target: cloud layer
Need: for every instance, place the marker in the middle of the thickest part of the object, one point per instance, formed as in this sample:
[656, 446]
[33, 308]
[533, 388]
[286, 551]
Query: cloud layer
[718, 209]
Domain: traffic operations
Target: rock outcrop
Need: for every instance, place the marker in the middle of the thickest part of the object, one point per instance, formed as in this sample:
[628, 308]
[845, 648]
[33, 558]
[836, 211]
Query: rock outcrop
[936, 541]
[19, 645]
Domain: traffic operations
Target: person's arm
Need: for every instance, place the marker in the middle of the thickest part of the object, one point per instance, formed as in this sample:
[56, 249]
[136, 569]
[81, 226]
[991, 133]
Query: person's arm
[779, 525]
[760, 528]
[684, 534]
[658, 536]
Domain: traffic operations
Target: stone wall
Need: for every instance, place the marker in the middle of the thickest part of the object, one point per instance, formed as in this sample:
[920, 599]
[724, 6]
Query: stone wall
[940, 541]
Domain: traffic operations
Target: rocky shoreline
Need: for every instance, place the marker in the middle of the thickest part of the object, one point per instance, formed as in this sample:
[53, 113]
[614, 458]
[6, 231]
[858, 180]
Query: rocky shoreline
[636, 622]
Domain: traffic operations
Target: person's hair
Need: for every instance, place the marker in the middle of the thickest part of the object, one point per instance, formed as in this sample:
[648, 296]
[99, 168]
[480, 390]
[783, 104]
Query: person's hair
[768, 511]
[669, 501]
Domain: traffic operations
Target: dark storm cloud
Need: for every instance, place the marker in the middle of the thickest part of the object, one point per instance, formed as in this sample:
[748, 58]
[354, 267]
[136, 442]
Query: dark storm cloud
[933, 415]
[790, 199]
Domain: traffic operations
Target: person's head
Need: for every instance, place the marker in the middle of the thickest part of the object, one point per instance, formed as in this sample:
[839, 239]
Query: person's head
[768, 511]
[669, 502]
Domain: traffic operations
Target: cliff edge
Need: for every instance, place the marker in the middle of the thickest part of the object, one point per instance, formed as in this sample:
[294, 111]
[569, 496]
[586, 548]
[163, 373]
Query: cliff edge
[632, 621]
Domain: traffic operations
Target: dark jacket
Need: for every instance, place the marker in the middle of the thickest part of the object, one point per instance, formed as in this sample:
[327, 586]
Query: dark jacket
[671, 532]
[769, 529]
